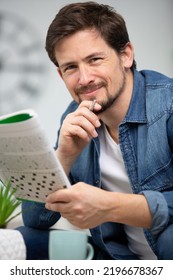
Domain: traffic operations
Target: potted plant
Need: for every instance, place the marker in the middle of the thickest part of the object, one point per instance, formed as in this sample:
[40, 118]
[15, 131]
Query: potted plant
[8, 204]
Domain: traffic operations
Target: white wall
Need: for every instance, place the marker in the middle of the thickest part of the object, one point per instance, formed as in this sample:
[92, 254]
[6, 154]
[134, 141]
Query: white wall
[150, 29]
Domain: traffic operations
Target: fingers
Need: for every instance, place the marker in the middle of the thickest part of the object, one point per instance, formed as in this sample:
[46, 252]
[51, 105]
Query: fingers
[76, 128]
[86, 115]
[59, 196]
[83, 125]
[82, 205]
[57, 201]
[83, 122]
[91, 105]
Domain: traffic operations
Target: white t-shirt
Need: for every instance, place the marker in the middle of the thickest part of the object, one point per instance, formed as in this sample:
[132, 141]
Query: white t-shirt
[114, 178]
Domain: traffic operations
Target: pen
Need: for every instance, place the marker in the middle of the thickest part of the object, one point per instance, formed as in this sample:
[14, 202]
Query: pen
[91, 108]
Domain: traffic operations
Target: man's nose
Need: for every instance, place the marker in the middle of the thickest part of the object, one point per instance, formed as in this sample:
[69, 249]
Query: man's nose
[85, 75]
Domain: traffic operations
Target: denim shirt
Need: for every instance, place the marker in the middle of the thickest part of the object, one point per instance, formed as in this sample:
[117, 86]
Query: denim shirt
[146, 142]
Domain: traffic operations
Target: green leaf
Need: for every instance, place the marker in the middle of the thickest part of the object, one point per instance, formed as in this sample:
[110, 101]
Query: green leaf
[8, 203]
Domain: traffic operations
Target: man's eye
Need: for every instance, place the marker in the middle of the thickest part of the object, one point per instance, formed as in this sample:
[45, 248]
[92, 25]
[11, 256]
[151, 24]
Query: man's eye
[69, 68]
[95, 59]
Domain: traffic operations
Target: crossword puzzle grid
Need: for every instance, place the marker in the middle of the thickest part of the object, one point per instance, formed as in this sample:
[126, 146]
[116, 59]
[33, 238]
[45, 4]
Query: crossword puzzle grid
[35, 186]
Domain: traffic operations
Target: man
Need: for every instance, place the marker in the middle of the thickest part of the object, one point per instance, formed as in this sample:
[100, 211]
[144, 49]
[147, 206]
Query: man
[115, 142]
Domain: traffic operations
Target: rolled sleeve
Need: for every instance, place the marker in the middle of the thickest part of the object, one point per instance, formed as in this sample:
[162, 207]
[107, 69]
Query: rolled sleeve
[158, 209]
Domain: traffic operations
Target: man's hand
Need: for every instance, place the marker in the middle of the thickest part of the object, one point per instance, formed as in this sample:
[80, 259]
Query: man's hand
[86, 206]
[77, 130]
[82, 205]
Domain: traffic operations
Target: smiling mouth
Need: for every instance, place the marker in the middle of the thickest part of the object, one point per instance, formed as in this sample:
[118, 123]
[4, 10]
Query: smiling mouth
[89, 89]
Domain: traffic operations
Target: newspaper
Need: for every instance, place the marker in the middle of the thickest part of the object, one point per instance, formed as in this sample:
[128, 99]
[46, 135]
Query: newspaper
[27, 159]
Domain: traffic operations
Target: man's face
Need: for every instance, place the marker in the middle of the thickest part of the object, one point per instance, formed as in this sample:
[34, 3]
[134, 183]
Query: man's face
[90, 68]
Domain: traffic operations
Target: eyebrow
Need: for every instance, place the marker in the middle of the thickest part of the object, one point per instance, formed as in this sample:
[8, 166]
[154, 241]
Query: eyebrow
[66, 64]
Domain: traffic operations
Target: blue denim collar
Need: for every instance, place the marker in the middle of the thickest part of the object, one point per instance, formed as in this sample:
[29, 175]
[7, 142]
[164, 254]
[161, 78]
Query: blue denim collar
[137, 108]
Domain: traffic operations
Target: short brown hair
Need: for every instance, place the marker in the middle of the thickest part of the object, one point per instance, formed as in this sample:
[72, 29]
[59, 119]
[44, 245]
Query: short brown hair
[88, 15]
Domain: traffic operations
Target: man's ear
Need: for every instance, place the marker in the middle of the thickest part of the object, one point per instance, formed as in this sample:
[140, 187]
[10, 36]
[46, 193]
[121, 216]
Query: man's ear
[59, 72]
[127, 55]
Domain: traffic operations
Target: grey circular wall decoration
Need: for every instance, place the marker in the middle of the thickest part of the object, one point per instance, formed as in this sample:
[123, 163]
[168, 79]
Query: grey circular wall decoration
[22, 67]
